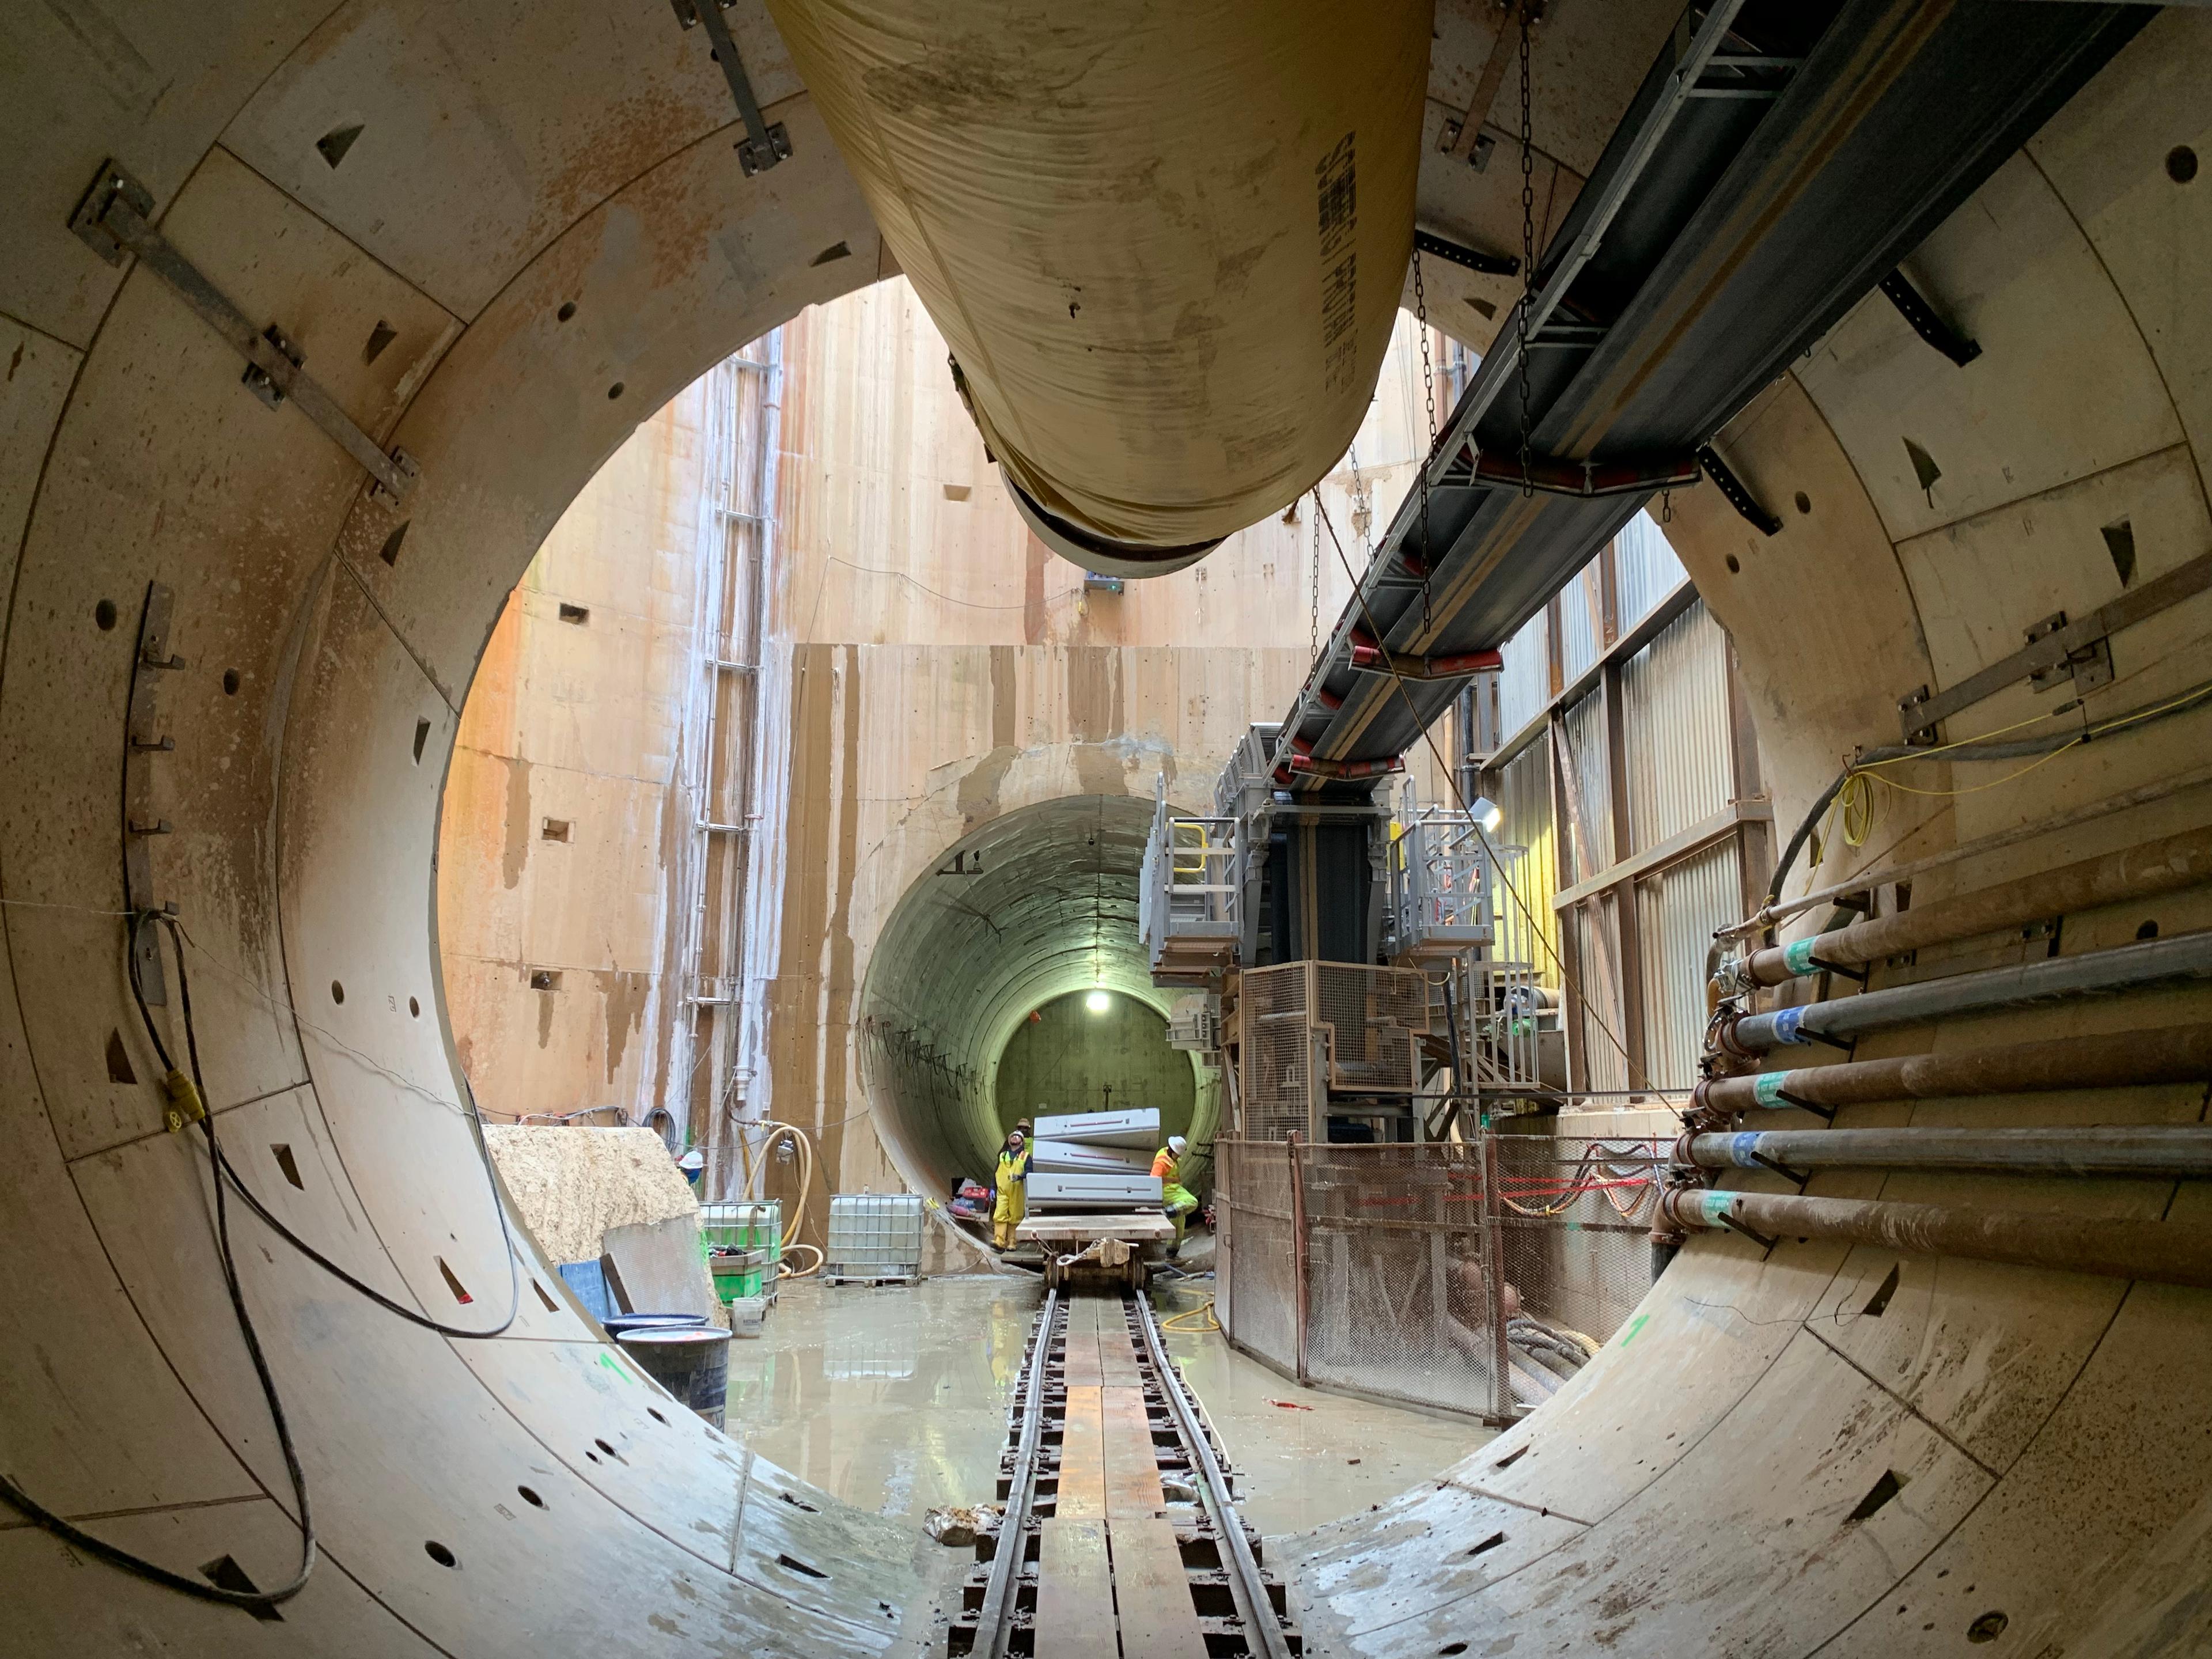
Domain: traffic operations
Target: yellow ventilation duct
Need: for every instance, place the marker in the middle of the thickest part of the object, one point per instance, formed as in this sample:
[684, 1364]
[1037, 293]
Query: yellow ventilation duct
[1166, 240]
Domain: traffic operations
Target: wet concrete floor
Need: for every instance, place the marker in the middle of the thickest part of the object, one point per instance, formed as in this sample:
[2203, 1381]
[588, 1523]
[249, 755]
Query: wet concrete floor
[895, 1399]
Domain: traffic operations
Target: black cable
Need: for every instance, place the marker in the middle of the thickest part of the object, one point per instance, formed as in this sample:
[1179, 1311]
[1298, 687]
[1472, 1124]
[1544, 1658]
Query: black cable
[484, 1153]
[16, 1498]
[2017, 749]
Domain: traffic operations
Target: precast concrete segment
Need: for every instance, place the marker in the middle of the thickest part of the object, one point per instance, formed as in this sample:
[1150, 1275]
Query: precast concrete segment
[2128, 967]
[2165, 866]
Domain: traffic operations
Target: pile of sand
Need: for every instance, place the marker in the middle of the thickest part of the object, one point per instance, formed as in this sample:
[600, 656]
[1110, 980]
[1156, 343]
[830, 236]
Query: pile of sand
[572, 1184]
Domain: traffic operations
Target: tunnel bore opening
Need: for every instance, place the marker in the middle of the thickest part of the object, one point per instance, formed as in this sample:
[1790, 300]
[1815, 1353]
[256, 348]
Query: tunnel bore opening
[981, 977]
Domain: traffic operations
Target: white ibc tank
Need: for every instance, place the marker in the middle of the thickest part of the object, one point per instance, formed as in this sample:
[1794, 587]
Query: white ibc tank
[1165, 238]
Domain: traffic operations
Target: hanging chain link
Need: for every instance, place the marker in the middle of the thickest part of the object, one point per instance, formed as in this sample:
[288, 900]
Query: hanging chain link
[1313, 611]
[1527, 248]
[1428, 432]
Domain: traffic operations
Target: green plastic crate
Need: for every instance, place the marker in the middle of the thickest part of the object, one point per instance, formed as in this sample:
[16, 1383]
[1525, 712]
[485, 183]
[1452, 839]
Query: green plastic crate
[753, 1226]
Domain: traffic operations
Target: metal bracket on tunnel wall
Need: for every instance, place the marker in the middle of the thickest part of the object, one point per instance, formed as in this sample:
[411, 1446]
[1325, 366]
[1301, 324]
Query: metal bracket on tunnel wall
[116, 218]
[763, 145]
[143, 739]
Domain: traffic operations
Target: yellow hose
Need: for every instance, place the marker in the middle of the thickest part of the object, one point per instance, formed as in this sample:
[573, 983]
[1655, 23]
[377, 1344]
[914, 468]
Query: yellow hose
[1174, 1322]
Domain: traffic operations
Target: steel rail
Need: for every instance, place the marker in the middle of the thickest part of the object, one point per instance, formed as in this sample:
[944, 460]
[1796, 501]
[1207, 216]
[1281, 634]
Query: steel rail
[997, 1615]
[1263, 1630]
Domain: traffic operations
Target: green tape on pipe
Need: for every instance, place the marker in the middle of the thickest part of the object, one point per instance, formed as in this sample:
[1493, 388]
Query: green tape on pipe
[1797, 958]
[1768, 1086]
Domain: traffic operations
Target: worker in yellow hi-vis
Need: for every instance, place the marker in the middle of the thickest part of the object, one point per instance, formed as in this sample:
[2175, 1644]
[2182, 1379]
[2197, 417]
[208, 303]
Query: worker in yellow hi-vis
[1175, 1198]
[1013, 1196]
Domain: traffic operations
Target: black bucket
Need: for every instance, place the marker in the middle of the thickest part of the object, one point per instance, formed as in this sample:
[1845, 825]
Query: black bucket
[692, 1362]
[617, 1324]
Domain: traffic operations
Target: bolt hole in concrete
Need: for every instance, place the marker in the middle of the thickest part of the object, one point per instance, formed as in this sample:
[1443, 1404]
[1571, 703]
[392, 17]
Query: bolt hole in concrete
[439, 1554]
[288, 1164]
[1452, 1647]
[614, 390]
[568, 310]
[552, 1306]
[230, 682]
[224, 1573]
[389, 553]
[103, 614]
[1488, 1544]
[120, 1069]
[544, 979]
[414, 1009]
[422, 737]
[800, 1567]
[334, 144]
[379, 337]
[1735, 568]
[576, 615]
[531, 1497]
[1988, 1627]
[337, 992]
[454, 1285]
[654, 1411]
[1804, 502]
[2181, 164]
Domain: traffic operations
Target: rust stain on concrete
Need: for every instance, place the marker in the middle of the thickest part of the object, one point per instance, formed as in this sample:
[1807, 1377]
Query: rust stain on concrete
[518, 823]
[625, 997]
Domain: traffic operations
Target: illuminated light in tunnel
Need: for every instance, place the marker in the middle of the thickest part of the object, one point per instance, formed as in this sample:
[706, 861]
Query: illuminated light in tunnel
[1098, 1001]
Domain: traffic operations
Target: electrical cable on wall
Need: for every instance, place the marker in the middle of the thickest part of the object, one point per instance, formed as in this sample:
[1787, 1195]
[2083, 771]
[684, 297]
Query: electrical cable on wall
[186, 1098]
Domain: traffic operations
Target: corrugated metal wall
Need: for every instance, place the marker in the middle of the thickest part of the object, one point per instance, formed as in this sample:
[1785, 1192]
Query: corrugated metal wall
[1646, 569]
[1677, 911]
[1593, 783]
[1525, 797]
[1675, 706]
[1525, 685]
[1580, 621]
[1603, 1027]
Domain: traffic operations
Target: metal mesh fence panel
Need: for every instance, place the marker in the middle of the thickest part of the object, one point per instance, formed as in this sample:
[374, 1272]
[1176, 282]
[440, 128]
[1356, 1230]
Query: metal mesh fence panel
[1466, 1276]
[1397, 1293]
[1258, 1305]
[1575, 1218]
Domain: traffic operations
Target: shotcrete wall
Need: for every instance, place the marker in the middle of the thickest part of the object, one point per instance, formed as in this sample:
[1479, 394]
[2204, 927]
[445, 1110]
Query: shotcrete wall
[1691, 1492]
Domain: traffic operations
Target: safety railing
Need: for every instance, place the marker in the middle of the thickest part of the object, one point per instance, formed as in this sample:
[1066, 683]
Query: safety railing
[1190, 901]
[1442, 871]
[1475, 1277]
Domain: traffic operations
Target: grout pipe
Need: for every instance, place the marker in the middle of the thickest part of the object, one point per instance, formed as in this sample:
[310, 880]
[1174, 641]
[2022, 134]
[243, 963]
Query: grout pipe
[2175, 1054]
[2156, 867]
[2185, 956]
[2160, 1252]
[2166, 1150]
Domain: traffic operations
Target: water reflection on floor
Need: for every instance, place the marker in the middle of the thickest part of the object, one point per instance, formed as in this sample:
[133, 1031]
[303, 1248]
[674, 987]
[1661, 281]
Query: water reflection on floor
[895, 1399]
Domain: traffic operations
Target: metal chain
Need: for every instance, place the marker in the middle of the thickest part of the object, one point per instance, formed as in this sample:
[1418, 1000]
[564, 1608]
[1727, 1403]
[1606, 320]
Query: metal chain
[1313, 611]
[1429, 392]
[1528, 249]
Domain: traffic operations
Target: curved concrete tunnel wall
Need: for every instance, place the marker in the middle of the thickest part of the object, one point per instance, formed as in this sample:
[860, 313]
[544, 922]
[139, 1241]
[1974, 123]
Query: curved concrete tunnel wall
[1690, 1491]
[1051, 908]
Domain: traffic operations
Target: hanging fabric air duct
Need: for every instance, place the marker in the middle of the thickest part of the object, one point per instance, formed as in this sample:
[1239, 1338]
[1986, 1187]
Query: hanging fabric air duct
[1165, 238]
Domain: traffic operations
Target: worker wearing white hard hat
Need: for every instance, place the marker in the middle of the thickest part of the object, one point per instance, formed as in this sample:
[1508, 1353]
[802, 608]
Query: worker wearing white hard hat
[1175, 1198]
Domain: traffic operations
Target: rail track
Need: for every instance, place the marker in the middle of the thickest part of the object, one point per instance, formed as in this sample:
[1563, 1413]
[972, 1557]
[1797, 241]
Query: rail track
[1121, 1537]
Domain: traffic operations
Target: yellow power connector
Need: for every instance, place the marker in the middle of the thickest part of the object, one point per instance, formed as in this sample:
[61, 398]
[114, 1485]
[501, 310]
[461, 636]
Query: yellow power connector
[185, 1105]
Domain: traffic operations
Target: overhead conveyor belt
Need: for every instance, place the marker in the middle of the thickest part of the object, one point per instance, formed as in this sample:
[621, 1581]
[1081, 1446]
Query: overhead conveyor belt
[1778, 161]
